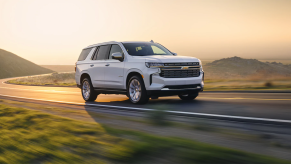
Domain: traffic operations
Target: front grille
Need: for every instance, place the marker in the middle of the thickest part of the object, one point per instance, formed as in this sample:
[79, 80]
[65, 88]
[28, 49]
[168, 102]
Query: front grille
[180, 73]
[182, 64]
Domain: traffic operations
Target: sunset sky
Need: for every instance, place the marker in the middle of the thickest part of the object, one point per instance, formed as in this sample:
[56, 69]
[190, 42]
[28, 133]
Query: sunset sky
[55, 31]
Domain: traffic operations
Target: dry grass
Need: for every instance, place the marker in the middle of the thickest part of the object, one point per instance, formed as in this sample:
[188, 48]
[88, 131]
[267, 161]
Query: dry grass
[55, 79]
[248, 83]
[60, 68]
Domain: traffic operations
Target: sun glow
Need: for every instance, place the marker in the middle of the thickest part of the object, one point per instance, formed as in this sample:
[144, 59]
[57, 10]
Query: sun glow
[54, 31]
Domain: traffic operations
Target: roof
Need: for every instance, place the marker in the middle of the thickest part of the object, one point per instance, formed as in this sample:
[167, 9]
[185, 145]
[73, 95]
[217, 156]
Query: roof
[114, 42]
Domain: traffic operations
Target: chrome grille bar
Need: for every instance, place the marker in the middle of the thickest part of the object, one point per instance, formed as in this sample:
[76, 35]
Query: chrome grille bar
[179, 73]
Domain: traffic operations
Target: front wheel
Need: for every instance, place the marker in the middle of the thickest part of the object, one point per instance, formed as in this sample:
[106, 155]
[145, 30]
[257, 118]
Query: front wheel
[136, 90]
[88, 92]
[188, 96]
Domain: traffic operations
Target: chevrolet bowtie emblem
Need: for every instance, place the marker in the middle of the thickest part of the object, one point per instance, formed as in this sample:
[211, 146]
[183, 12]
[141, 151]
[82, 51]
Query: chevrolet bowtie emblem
[184, 67]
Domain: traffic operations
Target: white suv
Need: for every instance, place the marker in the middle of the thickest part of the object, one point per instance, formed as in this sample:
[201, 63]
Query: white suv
[140, 70]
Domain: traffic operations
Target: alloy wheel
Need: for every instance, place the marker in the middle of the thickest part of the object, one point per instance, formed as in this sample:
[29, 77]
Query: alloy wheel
[86, 90]
[135, 90]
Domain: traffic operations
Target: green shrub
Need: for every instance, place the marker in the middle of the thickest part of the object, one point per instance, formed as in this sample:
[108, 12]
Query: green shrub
[268, 84]
[159, 116]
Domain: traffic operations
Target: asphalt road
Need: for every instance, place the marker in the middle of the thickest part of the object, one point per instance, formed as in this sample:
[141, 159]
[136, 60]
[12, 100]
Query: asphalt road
[259, 105]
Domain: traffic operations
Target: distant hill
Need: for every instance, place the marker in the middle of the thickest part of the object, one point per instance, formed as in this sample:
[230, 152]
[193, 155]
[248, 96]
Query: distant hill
[12, 65]
[236, 67]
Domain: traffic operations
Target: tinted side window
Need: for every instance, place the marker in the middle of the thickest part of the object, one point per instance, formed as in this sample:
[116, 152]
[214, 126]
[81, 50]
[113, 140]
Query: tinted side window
[84, 54]
[114, 48]
[94, 56]
[103, 52]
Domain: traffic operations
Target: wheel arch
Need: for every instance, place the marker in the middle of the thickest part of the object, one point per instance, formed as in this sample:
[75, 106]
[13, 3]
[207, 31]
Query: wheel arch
[130, 74]
[83, 76]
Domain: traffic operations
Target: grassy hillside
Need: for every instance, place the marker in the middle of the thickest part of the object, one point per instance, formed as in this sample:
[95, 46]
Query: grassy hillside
[236, 68]
[12, 65]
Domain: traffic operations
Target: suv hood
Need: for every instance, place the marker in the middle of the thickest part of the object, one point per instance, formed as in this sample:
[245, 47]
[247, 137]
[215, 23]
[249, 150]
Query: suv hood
[167, 59]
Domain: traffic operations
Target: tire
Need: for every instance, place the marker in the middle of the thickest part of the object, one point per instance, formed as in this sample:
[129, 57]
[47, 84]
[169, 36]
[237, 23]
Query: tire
[87, 90]
[188, 96]
[136, 91]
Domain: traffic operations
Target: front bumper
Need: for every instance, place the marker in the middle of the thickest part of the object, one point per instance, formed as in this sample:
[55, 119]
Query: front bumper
[160, 86]
[170, 92]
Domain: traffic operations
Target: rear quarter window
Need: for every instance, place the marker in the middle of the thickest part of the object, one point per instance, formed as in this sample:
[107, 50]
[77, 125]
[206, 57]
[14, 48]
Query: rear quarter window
[84, 54]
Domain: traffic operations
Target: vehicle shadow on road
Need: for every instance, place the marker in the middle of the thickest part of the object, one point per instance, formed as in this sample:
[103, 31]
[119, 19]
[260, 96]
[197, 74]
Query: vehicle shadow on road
[170, 103]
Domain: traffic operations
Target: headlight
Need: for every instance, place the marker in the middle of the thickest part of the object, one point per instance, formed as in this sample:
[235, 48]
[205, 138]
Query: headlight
[200, 63]
[201, 69]
[148, 64]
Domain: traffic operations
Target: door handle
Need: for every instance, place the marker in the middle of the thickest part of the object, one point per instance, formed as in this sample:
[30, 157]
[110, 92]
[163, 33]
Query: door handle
[91, 65]
[107, 64]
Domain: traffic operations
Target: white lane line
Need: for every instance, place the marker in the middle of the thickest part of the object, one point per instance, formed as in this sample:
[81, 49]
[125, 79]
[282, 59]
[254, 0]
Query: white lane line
[75, 103]
[173, 112]
[233, 117]
[230, 98]
[243, 98]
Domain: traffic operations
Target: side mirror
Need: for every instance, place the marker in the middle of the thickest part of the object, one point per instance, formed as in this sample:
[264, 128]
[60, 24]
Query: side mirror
[117, 56]
[175, 54]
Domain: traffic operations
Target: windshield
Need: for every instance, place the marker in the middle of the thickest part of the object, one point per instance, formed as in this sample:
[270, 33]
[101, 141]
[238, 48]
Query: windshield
[145, 49]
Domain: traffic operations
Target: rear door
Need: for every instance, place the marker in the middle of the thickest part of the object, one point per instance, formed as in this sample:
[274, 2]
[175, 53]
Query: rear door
[83, 63]
[114, 70]
[96, 68]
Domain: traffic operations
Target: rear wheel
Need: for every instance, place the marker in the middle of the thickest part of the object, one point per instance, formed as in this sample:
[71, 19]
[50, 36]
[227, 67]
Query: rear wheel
[136, 90]
[191, 96]
[88, 92]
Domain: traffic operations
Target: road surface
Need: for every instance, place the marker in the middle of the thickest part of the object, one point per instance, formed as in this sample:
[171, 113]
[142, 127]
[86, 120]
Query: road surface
[257, 105]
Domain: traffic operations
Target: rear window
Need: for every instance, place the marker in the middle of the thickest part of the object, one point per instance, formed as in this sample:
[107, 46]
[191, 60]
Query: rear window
[84, 54]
